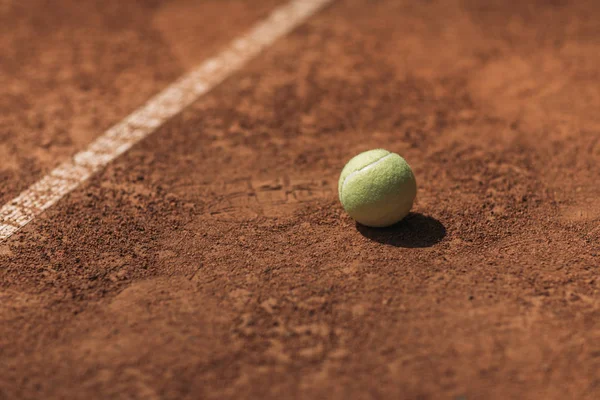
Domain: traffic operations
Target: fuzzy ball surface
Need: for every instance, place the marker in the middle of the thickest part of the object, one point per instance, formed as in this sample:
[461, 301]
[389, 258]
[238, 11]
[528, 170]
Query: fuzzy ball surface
[377, 188]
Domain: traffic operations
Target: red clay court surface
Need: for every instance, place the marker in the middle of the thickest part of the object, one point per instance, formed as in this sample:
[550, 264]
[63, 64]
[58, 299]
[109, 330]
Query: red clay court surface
[214, 261]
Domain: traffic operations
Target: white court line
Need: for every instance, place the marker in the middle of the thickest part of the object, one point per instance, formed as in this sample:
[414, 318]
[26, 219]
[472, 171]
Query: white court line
[117, 140]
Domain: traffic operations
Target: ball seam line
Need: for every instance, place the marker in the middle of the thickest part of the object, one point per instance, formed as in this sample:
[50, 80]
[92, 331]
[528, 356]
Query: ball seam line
[354, 173]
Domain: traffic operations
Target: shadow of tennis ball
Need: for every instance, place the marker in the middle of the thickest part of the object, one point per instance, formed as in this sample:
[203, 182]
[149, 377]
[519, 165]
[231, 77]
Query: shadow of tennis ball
[414, 231]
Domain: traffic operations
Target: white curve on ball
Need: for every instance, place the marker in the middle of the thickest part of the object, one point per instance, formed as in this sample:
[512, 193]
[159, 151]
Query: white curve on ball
[365, 168]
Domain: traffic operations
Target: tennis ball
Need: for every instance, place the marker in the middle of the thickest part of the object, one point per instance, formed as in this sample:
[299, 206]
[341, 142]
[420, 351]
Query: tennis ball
[377, 188]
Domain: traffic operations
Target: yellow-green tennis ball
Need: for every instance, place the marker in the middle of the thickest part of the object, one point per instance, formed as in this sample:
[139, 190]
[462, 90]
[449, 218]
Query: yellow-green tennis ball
[377, 188]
